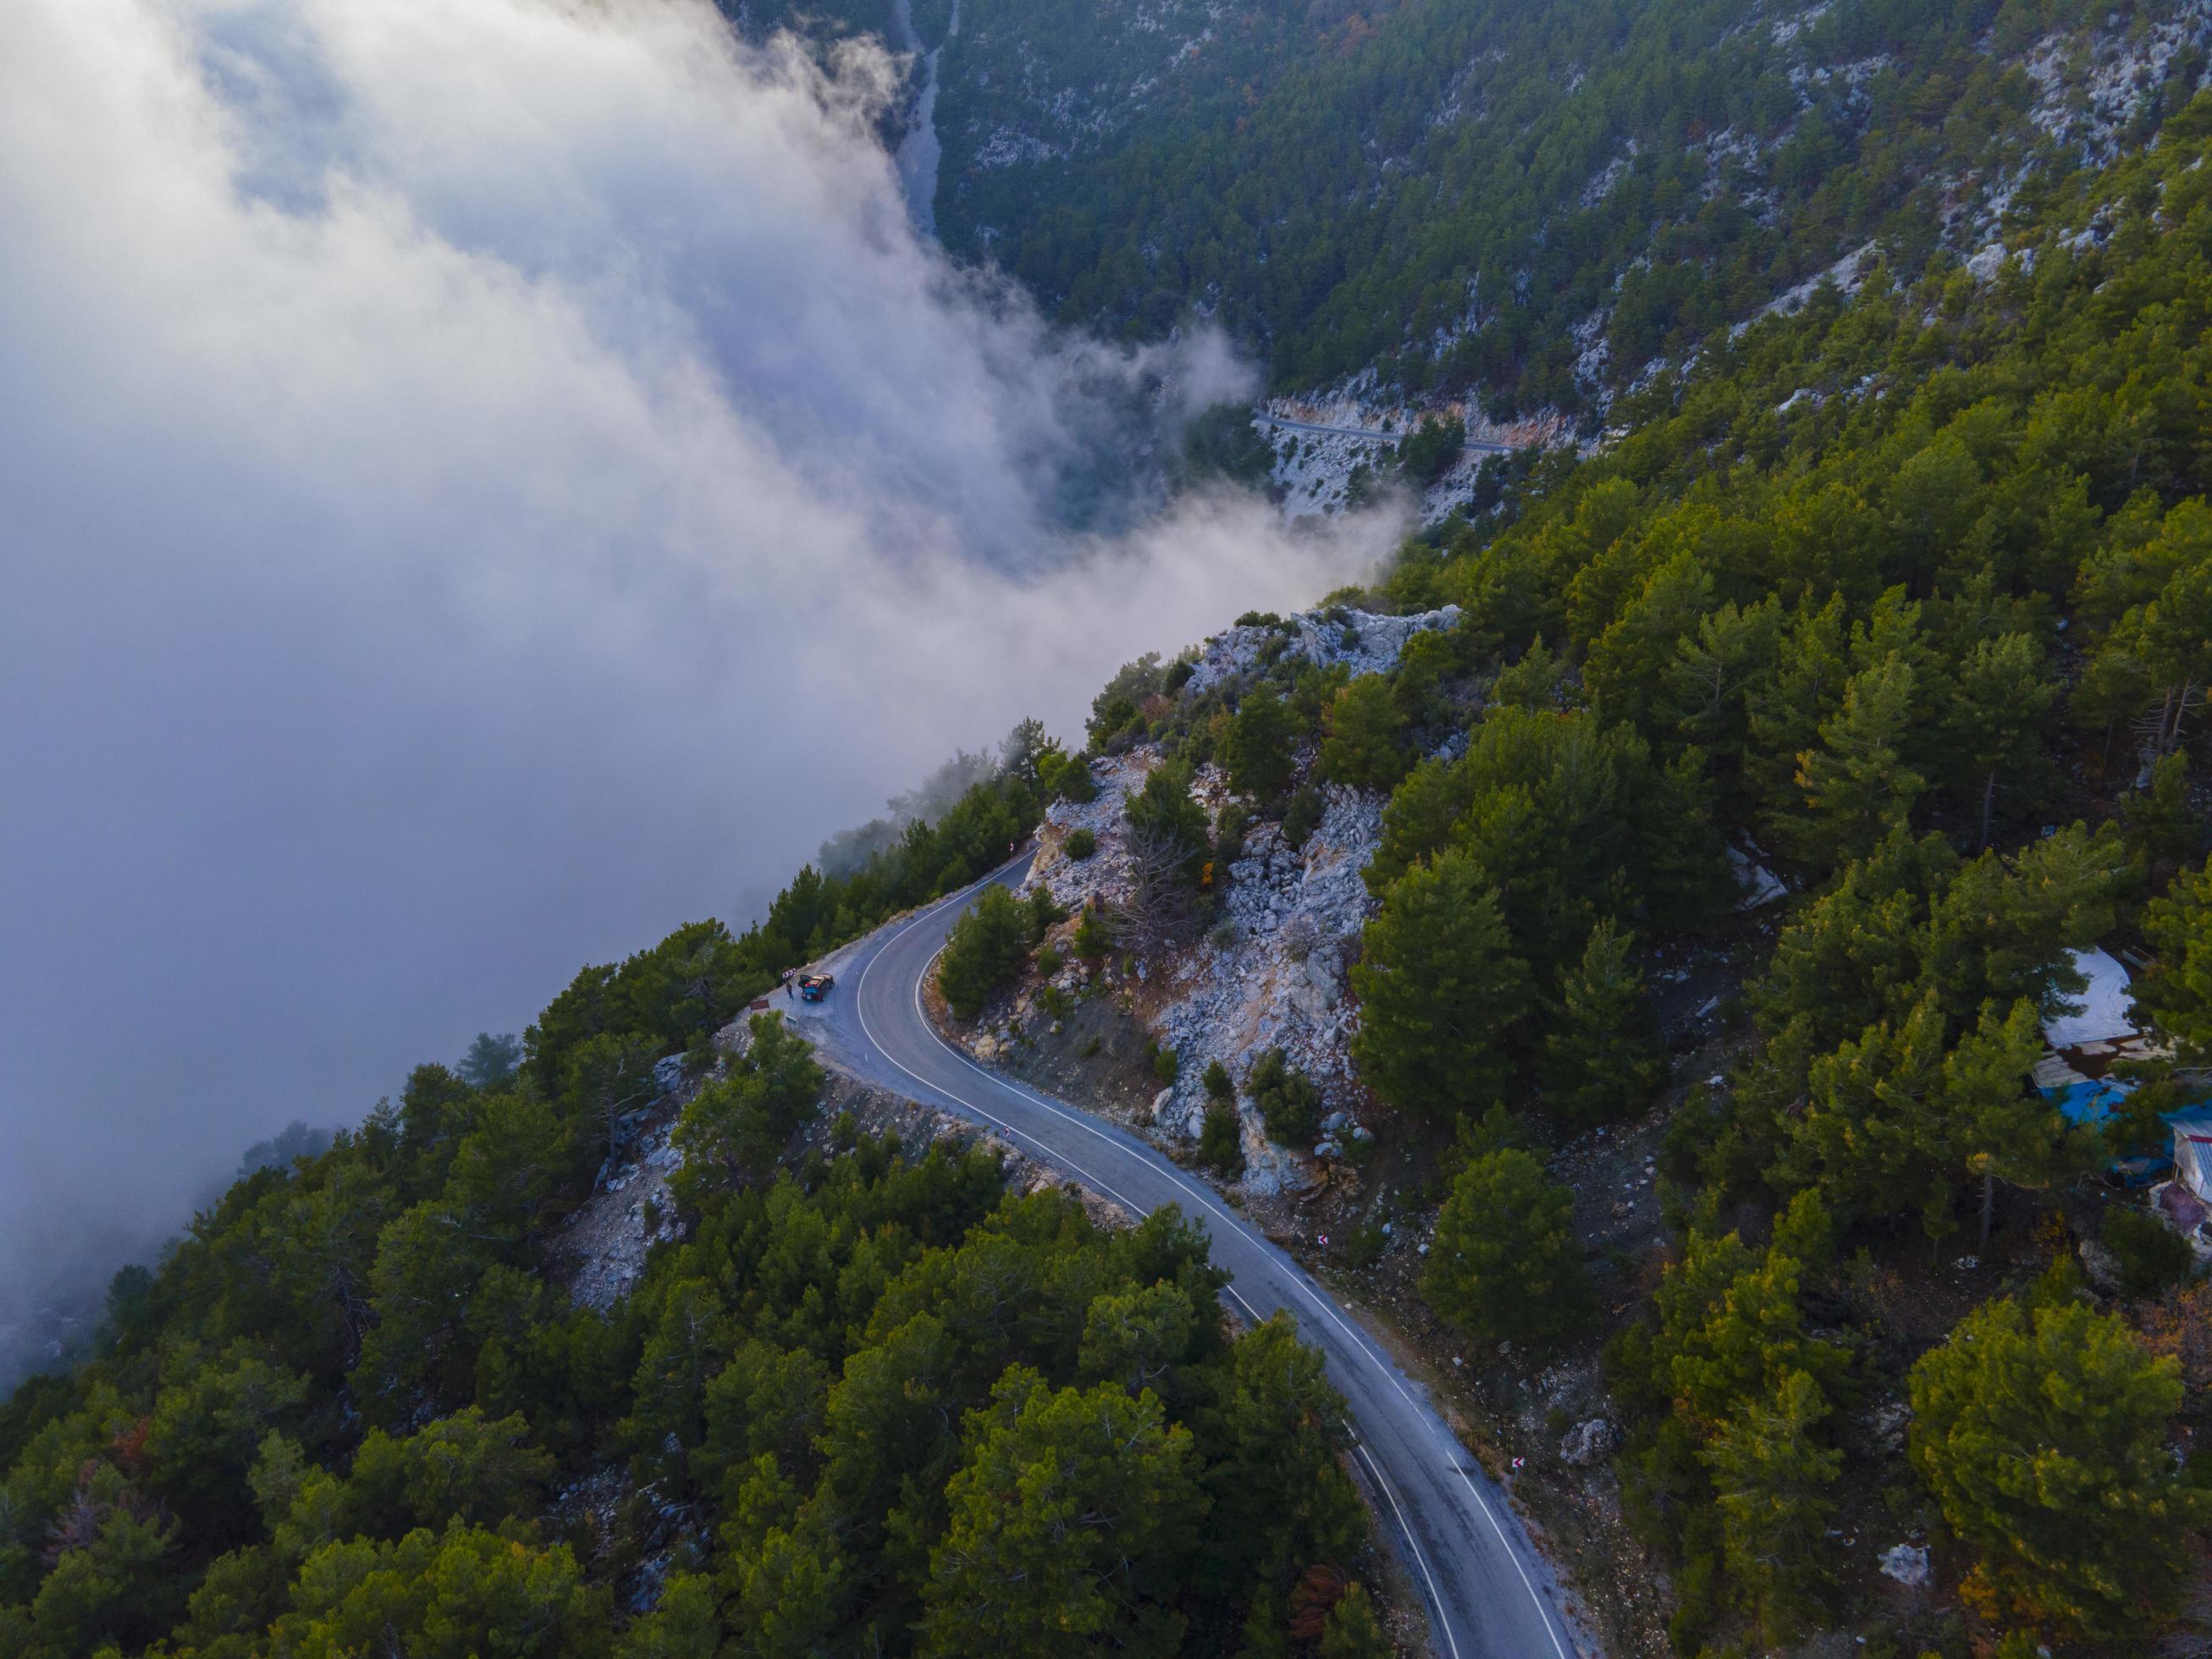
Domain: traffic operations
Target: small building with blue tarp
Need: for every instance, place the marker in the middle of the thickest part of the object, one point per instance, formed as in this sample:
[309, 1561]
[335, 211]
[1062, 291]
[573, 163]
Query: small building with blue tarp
[2088, 1042]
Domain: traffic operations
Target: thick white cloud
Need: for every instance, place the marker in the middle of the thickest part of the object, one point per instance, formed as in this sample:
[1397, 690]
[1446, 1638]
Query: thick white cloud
[485, 481]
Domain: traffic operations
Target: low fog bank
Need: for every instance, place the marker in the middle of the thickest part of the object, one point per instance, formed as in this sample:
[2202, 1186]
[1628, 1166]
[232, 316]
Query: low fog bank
[487, 481]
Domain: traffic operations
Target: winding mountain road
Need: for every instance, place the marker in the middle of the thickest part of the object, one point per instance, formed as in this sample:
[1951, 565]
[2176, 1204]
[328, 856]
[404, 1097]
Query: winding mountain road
[1489, 1596]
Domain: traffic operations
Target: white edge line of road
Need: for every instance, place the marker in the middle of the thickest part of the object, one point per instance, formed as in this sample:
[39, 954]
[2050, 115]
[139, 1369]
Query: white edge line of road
[1297, 1277]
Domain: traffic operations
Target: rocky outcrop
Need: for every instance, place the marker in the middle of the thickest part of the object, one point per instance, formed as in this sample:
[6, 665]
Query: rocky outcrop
[1272, 970]
[1907, 1564]
[1105, 874]
[1360, 640]
[1588, 1443]
[605, 1244]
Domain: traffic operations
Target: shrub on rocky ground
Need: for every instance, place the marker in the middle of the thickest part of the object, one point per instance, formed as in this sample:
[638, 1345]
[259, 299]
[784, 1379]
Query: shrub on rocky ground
[1286, 1098]
[1220, 1141]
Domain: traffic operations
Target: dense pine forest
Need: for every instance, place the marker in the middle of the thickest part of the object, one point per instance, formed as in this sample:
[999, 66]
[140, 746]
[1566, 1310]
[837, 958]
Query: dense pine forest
[1520, 205]
[1911, 593]
[858, 1408]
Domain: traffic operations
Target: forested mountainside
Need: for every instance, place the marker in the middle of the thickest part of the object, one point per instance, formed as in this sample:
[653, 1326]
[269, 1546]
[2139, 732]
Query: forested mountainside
[1912, 595]
[867, 1397]
[1521, 205]
[1909, 596]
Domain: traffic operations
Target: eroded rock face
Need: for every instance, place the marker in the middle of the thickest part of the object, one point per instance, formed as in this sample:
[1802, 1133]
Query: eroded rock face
[2100, 1264]
[1887, 1426]
[1363, 642]
[1590, 1442]
[605, 1244]
[1273, 974]
[1272, 971]
[1907, 1564]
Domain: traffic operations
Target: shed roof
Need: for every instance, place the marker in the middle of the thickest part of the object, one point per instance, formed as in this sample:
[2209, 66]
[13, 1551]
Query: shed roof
[2105, 1007]
[2192, 1149]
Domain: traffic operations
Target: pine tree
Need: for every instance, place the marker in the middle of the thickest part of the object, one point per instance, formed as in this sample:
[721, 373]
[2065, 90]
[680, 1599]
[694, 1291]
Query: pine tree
[1731, 1325]
[1221, 1140]
[1362, 729]
[734, 1128]
[2000, 929]
[491, 1061]
[1784, 713]
[692, 1338]
[1855, 785]
[2042, 1434]
[459, 1591]
[1064, 1523]
[2177, 994]
[1504, 1261]
[986, 950]
[1280, 1497]
[1630, 664]
[2163, 830]
[1289, 1103]
[1772, 1482]
[1871, 1138]
[1602, 1059]
[1136, 1338]
[791, 1590]
[1440, 990]
[1858, 952]
[686, 1623]
[2000, 704]
[2000, 1129]
[1095, 933]
[607, 1078]
[1353, 1632]
[2169, 638]
[1257, 748]
[1705, 691]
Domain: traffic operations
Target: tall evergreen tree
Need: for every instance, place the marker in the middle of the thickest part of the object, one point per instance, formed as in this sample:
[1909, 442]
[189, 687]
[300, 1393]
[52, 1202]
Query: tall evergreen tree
[1999, 707]
[1785, 712]
[1601, 1058]
[1857, 786]
[1352, 1631]
[1258, 746]
[1362, 729]
[984, 951]
[1440, 990]
[1999, 1127]
[735, 1127]
[2178, 993]
[1066, 1520]
[2042, 1434]
[1504, 1261]
[1773, 1482]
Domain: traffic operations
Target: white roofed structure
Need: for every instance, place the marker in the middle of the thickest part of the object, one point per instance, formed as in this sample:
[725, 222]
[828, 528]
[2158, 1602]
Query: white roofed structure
[2192, 1149]
[2105, 1005]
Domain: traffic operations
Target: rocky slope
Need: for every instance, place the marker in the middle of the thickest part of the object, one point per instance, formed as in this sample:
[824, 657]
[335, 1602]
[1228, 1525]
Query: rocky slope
[1270, 971]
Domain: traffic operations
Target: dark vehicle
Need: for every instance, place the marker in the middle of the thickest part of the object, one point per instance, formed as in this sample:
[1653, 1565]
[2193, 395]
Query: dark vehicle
[812, 987]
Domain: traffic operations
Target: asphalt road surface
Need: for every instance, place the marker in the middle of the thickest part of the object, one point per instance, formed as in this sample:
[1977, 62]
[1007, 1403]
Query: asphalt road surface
[1482, 445]
[1489, 1596]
